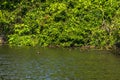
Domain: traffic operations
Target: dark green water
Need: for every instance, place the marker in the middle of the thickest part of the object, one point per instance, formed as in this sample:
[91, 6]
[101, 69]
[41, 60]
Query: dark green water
[57, 64]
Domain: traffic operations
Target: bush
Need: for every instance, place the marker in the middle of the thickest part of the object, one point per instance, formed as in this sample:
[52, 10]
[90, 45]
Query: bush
[63, 23]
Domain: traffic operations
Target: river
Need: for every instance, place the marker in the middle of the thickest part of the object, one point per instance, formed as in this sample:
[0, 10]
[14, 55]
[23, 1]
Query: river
[23, 63]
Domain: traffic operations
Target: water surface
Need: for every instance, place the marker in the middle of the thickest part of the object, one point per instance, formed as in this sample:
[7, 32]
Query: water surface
[57, 64]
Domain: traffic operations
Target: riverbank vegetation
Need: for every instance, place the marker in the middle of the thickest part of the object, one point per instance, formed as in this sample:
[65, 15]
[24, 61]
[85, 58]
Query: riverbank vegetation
[65, 23]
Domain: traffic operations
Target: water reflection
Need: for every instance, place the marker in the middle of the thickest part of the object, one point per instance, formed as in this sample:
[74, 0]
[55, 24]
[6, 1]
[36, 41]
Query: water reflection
[57, 64]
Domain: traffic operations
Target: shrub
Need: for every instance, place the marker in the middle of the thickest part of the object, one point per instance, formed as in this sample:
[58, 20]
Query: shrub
[63, 22]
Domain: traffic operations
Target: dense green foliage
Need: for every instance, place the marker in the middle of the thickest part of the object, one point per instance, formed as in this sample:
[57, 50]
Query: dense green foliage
[60, 22]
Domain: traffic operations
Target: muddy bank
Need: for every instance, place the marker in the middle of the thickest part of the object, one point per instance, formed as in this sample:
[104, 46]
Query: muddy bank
[2, 40]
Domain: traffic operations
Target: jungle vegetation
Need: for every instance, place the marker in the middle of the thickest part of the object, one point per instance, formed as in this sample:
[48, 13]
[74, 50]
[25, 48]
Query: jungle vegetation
[64, 23]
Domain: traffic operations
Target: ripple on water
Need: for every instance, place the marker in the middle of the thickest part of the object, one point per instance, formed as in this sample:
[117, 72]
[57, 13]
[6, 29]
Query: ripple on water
[58, 66]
